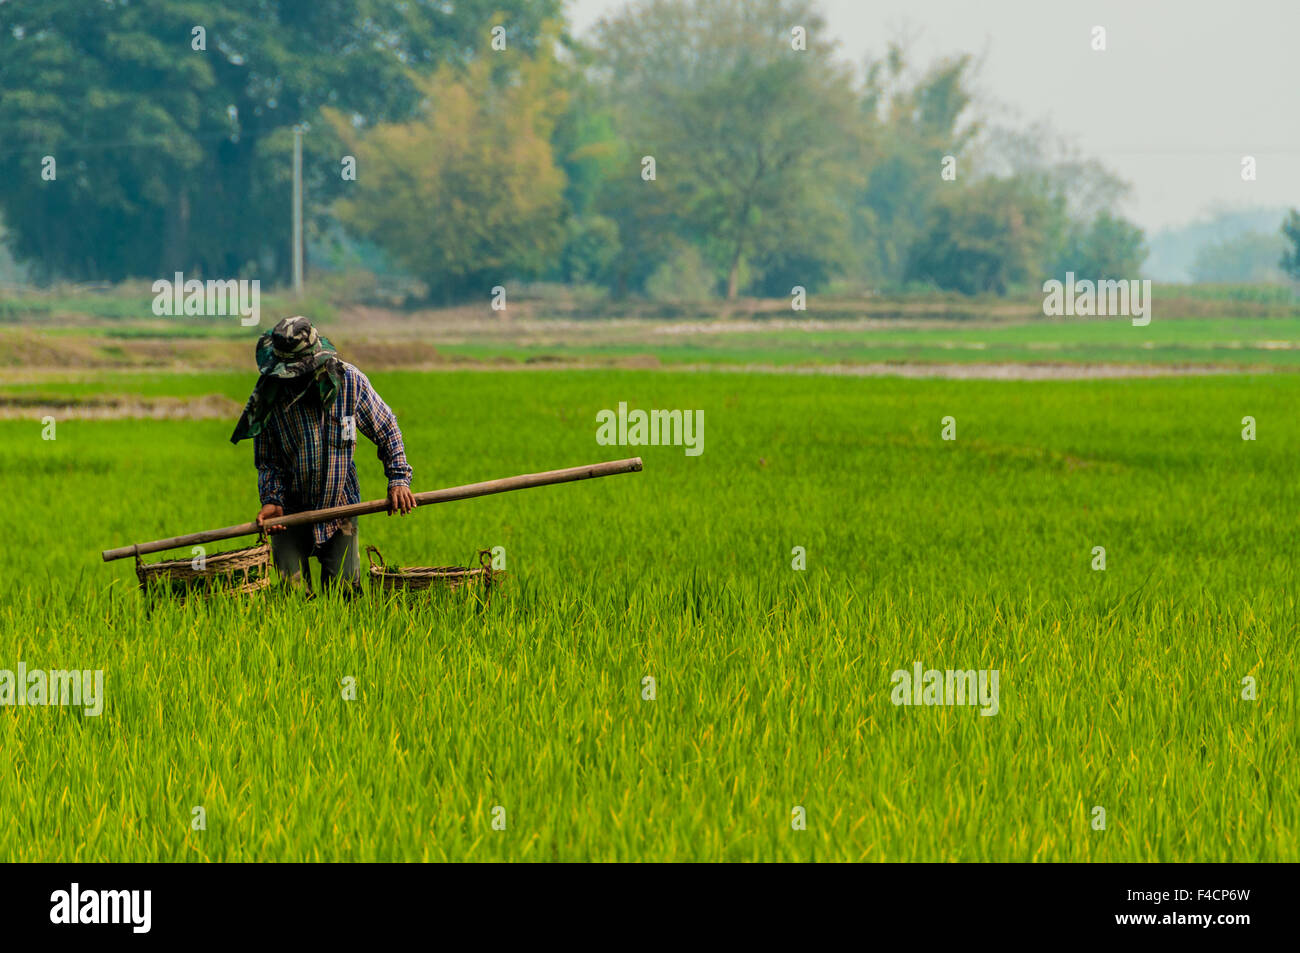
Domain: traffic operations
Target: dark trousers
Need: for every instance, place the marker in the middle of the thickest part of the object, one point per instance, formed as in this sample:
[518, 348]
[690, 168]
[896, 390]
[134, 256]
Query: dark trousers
[339, 560]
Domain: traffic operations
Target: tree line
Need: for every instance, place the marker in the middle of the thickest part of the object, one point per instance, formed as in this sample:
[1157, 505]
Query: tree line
[687, 148]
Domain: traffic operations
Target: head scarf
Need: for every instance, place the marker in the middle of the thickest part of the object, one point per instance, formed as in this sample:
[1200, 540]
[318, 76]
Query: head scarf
[285, 354]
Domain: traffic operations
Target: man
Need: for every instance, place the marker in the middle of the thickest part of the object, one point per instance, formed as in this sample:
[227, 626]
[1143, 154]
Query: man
[304, 415]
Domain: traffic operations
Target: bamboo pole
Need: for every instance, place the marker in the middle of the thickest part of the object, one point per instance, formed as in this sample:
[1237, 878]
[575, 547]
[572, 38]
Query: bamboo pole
[469, 491]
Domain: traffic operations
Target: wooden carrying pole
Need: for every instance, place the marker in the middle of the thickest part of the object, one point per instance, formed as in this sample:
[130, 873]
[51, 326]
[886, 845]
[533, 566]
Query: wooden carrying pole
[549, 478]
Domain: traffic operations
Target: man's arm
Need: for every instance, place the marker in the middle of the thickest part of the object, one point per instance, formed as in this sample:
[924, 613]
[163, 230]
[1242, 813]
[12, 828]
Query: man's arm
[270, 482]
[376, 420]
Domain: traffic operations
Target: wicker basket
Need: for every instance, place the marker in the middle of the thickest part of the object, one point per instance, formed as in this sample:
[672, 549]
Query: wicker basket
[237, 572]
[386, 578]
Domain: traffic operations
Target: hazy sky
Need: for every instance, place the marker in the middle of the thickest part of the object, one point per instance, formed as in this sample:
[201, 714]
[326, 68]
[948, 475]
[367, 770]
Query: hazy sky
[1185, 89]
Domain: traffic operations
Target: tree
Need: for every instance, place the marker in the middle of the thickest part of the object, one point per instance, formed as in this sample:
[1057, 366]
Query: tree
[1083, 231]
[589, 154]
[1105, 248]
[1243, 259]
[751, 138]
[983, 238]
[468, 194]
[1291, 257]
[912, 128]
[174, 157]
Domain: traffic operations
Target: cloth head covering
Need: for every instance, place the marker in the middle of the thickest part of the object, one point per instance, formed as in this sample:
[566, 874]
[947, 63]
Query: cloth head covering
[288, 352]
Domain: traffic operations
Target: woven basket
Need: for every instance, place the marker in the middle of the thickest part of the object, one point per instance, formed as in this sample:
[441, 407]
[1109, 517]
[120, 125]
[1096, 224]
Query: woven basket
[237, 572]
[446, 578]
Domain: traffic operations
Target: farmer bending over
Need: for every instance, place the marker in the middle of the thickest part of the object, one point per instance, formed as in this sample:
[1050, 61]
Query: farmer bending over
[304, 416]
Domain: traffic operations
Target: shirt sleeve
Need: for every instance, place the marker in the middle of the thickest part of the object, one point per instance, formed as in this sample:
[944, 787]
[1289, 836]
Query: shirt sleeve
[270, 481]
[378, 423]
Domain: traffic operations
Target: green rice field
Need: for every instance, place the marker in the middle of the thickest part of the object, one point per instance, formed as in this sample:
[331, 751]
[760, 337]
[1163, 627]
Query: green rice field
[771, 732]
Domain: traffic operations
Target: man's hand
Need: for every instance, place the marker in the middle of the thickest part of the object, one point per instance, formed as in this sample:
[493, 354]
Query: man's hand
[270, 512]
[400, 500]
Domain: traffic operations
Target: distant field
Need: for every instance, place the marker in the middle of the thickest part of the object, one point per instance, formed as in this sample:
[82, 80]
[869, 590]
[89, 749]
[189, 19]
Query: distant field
[1119, 689]
[1229, 327]
[1273, 342]
[1265, 343]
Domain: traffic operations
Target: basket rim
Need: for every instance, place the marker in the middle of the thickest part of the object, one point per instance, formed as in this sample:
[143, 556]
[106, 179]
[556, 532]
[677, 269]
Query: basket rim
[379, 569]
[257, 556]
[434, 571]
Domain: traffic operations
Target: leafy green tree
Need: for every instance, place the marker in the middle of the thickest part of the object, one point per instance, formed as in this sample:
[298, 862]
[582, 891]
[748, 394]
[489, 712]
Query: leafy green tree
[911, 129]
[1083, 231]
[1291, 256]
[591, 247]
[468, 194]
[684, 278]
[171, 157]
[751, 138]
[589, 153]
[986, 237]
[1107, 247]
[648, 227]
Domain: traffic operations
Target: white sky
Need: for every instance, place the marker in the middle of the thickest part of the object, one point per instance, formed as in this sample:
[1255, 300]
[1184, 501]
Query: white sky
[1184, 90]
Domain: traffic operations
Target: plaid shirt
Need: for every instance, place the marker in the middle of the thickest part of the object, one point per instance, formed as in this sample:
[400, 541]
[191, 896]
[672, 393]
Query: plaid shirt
[296, 472]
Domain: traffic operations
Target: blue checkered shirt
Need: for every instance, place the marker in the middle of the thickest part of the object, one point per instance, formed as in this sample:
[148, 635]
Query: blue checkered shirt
[297, 472]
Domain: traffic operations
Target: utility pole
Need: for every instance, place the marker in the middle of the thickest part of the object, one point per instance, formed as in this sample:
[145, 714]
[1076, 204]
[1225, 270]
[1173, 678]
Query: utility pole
[297, 210]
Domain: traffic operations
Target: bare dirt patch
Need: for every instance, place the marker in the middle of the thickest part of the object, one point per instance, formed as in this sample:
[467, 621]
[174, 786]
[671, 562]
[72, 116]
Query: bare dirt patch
[24, 350]
[388, 354]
